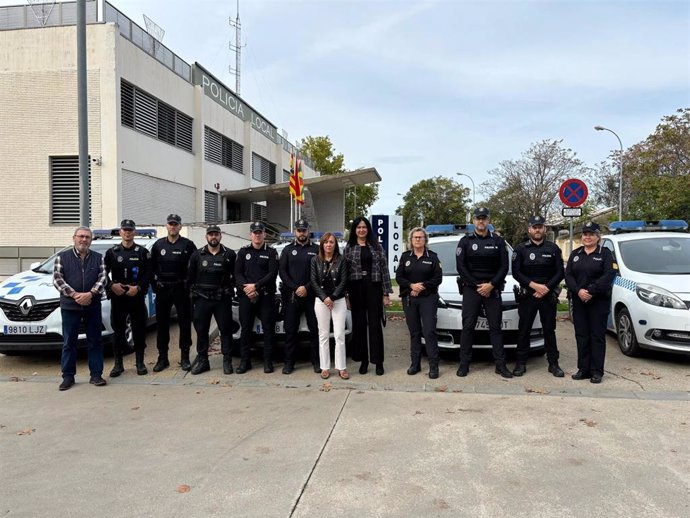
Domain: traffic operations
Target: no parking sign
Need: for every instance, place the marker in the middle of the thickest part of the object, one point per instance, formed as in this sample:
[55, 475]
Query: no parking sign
[573, 192]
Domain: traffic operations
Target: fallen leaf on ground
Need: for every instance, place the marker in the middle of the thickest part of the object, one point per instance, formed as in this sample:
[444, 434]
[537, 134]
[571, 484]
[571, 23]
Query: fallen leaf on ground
[34, 374]
[588, 422]
[213, 382]
[135, 408]
[326, 387]
[538, 390]
[183, 488]
[16, 378]
[418, 412]
[442, 388]
[28, 431]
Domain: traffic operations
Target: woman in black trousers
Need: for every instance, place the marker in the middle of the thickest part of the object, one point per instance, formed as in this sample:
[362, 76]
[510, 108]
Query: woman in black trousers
[369, 286]
[589, 276]
[419, 275]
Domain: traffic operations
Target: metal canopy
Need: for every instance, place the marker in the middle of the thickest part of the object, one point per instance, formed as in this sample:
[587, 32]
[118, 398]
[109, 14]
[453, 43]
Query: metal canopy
[316, 185]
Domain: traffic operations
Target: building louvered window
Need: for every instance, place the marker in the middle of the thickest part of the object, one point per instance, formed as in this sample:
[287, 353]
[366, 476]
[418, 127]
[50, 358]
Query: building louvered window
[151, 116]
[222, 150]
[210, 207]
[286, 175]
[263, 170]
[259, 212]
[64, 190]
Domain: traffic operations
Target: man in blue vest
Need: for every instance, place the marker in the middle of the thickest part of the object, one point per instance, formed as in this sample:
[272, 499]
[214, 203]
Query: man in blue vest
[79, 276]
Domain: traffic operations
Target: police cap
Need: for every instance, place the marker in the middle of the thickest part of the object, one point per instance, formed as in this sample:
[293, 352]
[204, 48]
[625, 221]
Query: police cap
[481, 212]
[174, 218]
[213, 228]
[127, 224]
[302, 224]
[591, 227]
[536, 220]
[257, 226]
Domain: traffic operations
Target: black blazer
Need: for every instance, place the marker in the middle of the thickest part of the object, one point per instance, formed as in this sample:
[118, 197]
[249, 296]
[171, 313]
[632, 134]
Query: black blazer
[338, 272]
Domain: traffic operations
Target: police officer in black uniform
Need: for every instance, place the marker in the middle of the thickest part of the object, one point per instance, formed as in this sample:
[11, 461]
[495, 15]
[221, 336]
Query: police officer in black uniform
[589, 276]
[256, 271]
[538, 267]
[212, 287]
[482, 262]
[128, 268]
[169, 260]
[419, 275]
[298, 295]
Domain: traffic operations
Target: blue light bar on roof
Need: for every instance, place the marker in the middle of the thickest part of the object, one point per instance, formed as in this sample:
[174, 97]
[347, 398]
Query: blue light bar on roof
[115, 232]
[647, 226]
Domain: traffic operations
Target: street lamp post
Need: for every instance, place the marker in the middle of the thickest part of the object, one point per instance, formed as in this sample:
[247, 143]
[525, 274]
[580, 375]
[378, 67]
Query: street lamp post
[620, 171]
[474, 199]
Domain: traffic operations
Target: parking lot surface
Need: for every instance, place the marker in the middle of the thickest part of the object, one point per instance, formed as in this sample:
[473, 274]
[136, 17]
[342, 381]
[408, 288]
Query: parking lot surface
[172, 444]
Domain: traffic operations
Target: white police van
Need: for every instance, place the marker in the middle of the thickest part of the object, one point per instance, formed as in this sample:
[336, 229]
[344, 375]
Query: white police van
[650, 303]
[443, 239]
[285, 239]
[30, 318]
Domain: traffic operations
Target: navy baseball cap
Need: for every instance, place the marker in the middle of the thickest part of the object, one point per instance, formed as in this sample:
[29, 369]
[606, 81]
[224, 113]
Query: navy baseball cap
[481, 212]
[301, 224]
[591, 227]
[174, 218]
[536, 220]
[257, 226]
[127, 224]
[213, 228]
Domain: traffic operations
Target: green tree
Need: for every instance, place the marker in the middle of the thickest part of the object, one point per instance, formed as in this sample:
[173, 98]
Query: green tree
[325, 160]
[435, 200]
[527, 186]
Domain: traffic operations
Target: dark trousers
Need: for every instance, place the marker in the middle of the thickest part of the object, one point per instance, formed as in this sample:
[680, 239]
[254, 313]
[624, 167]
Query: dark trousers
[134, 307]
[589, 320]
[221, 310]
[71, 320]
[472, 302]
[366, 302]
[420, 315]
[527, 310]
[294, 308]
[264, 308]
[166, 298]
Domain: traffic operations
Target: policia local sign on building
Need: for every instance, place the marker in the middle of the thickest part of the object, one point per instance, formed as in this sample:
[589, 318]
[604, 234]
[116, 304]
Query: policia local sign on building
[389, 232]
[214, 89]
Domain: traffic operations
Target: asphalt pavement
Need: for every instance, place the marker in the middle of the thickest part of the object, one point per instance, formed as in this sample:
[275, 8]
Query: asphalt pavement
[173, 444]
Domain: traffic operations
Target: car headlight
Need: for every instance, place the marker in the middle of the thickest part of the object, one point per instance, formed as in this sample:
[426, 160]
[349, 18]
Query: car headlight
[659, 297]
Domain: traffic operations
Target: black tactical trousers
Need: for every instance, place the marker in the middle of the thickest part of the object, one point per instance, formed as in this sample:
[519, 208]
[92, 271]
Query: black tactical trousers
[472, 303]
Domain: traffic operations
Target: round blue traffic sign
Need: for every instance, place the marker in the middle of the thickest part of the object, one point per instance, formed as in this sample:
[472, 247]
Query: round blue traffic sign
[573, 192]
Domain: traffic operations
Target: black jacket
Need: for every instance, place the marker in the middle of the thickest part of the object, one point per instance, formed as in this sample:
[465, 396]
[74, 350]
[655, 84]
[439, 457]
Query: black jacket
[338, 273]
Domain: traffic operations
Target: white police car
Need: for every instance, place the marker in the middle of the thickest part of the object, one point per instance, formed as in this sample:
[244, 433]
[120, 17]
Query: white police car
[30, 318]
[285, 239]
[650, 304]
[443, 239]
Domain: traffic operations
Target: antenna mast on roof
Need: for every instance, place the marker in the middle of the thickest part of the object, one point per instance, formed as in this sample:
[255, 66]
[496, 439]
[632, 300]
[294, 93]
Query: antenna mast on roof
[42, 10]
[237, 49]
[156, 32]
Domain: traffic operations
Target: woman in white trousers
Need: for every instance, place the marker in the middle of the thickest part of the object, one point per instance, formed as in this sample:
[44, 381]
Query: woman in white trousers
[329, 280]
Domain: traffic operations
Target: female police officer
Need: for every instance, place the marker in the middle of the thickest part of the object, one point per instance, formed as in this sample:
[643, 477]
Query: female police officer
[419, 276]
[589, 275]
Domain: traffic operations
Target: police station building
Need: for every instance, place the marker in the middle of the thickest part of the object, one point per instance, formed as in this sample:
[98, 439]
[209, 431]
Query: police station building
[164, 136]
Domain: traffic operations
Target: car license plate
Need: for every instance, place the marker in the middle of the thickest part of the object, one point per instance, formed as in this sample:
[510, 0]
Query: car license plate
[24, 330]
[483, 323]
[259, 330]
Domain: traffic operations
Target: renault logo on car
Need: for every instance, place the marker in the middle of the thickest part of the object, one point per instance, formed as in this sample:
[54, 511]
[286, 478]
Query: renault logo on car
[25, 305]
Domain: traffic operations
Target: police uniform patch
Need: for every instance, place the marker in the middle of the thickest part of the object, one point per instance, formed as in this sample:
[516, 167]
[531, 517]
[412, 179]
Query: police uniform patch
[248, 257]
[614, 266]
[294, 252]
[120, 259]
[532, 256]
[163, 252]
[475, 246]
[407, 263]
[576, 258]
[458, 251]
[204, 263]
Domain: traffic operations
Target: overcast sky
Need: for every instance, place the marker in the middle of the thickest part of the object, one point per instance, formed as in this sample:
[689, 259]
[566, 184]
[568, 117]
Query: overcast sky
[418, 88]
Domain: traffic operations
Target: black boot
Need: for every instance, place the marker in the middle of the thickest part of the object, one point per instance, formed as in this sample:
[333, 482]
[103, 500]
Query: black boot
[379, 369]
[139, 360]
[245, 365]
[463, 370]
[268, 366]
[555, 369]
[364, 367]
[162, 363]
[433, 369]
[503, 370]
[288, 368]
[415, 367]
[185, 365]
[520, 369]
[201, 365]
[118, 368]
[227, 364]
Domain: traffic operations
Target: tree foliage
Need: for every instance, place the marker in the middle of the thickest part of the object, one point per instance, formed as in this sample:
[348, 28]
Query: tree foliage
[527, 186]
[656, 173]
[435, 200]
[325, 160]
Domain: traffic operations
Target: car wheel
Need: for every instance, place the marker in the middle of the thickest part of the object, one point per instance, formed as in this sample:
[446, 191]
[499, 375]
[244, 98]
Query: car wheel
[627, 341]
